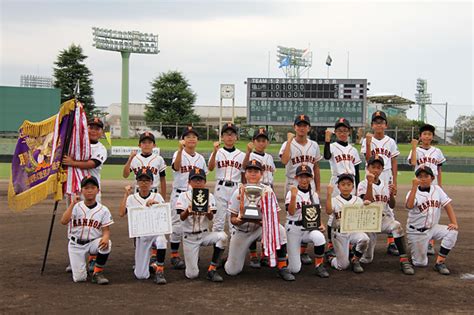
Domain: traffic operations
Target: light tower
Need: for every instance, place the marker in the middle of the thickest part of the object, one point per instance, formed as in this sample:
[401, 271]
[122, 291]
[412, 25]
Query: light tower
[423, 98]
[126, 42]
[295, 62]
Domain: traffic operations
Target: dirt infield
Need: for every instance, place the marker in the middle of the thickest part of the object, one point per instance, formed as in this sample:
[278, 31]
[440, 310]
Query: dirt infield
[382, 288]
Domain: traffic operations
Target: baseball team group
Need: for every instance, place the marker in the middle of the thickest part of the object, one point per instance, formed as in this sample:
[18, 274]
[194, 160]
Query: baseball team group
[283, 246]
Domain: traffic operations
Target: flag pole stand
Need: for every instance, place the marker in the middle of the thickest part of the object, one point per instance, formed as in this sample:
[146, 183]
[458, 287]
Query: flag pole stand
[64, 150]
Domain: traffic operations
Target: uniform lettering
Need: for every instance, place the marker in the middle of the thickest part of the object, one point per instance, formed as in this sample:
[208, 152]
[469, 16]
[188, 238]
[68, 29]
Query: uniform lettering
[303, 159]
[429, 204]
[87, 223]
[344, 157]
[382, 151]
[427, 159]
[229, 163]
[138, 169]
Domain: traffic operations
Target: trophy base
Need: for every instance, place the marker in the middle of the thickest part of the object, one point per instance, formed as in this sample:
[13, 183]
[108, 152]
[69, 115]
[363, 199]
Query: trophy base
[252, 214]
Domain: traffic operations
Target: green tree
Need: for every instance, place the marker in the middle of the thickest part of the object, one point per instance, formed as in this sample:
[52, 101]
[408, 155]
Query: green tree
[70, 67]
[171, 101]
[464, 129]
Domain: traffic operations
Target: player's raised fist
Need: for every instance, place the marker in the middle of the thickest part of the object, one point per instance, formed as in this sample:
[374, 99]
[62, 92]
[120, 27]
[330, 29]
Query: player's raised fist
[294, 191]
[392, 189]
[250, 147]
[132, 154]
[128, 189]
[328, 135]
[414, 142]
[76, 199]
[180, 144]
[290, 136]
[368, 137]
[330, 190]
[415, 182]
[370, 177]
[216, 145]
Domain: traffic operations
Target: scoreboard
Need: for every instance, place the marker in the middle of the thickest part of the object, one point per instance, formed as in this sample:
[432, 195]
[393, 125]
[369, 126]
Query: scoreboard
[277, 101]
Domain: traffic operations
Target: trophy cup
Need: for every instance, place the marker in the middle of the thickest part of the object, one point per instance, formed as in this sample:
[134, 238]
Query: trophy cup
[252, 211]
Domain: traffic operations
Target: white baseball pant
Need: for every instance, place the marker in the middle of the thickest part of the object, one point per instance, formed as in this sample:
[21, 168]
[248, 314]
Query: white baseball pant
[78, 254]
[143, 253]
[341, 241]
[222, 195]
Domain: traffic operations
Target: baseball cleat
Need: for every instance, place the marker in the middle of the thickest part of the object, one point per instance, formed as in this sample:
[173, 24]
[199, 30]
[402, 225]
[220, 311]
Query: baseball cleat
[393, 250]
[330, 253]
[160, 278]
[213, 276]
[91, 266]
[255, 263]
[178, 263]
[285, 274]
[264, 262]
[99, 278]
[407, 268]
[431, 250]
[321, 272]
[442, 269]
[69, 268]
[357, 267]
[305, 259]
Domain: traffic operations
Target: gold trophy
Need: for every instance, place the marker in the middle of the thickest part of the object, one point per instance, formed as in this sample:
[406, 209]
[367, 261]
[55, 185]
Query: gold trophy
[252, 211]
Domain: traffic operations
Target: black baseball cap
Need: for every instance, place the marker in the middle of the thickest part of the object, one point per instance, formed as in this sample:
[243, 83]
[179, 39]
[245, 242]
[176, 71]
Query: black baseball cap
[147, 135]
[379, 114]
[345, 176]
[229, 126]
[254, 164]
[304, 170]
[342, 122]
[425, 169]
[260, 132]
[144, 172]
[188, 130]
[427, 127]
[197, 172]
[89, 179]
[302, 119]
[95, 121]
[375, 159]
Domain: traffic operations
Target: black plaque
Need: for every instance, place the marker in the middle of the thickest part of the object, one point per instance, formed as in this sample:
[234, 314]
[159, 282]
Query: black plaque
[200, 200]
[311, 216]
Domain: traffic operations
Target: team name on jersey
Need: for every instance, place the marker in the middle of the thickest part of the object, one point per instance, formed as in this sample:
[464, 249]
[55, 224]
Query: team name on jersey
[186, 168]
[299, 205]
[303, 159]
[429, 203]
[229, 163]
[268, 168]
[382, 198]
[427, 159]
[344, 157]
[137, 169]
[382, 151]
[86, 222]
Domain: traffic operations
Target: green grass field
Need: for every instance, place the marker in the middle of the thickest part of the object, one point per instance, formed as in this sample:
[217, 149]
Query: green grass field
[203, 146]
[115, 172]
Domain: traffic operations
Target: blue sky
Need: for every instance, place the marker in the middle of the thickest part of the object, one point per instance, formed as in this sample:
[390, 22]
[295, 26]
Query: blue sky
[213, 42]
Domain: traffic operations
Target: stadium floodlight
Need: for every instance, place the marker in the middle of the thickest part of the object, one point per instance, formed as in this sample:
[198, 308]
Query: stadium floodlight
[294, 61]
[125, 42]
[423, 98]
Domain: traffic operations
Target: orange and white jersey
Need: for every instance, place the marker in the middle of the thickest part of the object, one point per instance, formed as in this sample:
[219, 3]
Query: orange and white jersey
[135, 200]
[268, 166]
[86, 223]
[188, 162]
[432, 157]
[426, 211]
[302, 198]
[386, 148]
[229, 165]
[307, 154]
[380, 192]
[153, 162]
[343, 159]
[194, 223]
[99, 153]
[338, 203]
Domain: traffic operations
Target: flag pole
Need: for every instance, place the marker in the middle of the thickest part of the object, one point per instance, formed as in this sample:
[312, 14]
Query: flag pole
[64, 150]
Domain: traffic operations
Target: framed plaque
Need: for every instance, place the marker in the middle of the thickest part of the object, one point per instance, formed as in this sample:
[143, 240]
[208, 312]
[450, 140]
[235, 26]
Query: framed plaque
[200, 200]
[360, 218]
[149, 221]
[311, 216]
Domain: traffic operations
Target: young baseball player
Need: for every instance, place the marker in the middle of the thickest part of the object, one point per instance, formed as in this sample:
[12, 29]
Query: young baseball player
[195, 229]
[94, 164]
[89, 232]
[373, 189]
[245, 231]
[429, 156]
[256, 151]
[148, 160]
[359, 241]
[299, 150]
[145, 197]
[343, 159]
[296, 198]
[424, 203]
[380, 144]
[184, 160]
[228, 164]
